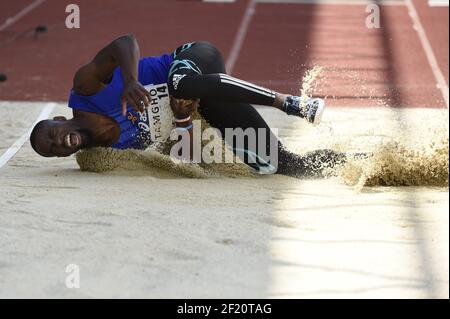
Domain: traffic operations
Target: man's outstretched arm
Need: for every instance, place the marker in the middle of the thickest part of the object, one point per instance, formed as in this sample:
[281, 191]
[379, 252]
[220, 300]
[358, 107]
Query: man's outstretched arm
[123, 52]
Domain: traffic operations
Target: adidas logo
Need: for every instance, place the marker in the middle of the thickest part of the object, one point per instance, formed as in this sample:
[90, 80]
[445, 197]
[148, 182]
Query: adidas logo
[176, 78]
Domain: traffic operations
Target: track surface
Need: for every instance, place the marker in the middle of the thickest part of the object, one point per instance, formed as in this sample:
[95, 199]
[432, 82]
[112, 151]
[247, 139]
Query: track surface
[386, 65]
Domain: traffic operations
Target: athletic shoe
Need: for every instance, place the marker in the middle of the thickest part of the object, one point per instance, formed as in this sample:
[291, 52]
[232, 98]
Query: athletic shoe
[311, 109]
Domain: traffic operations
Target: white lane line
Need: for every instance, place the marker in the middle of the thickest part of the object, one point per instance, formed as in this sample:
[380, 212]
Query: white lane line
[240, 36]
[441, 83]
[11, 20]
[438, 3]
[10, 152]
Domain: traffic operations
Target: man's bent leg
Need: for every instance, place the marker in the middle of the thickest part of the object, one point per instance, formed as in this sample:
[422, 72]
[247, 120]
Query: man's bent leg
[223, 115]
[240, 116]
[198, 72]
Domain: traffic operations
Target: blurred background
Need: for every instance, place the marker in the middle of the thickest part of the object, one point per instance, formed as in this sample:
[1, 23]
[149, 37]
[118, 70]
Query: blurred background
[269, 42]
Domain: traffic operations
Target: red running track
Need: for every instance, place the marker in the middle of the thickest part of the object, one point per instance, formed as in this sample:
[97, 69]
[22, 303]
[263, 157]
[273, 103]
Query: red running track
[364, 67]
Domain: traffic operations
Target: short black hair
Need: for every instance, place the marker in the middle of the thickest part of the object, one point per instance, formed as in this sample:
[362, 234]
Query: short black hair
[33, 135]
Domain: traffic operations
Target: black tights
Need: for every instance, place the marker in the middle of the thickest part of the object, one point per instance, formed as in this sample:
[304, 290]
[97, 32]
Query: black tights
[198, 72]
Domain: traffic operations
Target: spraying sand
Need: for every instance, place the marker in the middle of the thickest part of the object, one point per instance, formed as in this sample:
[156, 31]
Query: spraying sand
[157, 159]
[394, 164]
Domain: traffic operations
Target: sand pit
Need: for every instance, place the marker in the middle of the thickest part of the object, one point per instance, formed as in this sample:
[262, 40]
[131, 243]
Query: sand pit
[161, 233]
[156, 160]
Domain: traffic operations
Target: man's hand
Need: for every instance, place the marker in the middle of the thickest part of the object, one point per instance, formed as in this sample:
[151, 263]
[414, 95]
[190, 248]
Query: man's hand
[183, 108]
[135, 95]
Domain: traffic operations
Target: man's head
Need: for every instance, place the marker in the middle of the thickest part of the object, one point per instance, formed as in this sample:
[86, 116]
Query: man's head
[58, 137]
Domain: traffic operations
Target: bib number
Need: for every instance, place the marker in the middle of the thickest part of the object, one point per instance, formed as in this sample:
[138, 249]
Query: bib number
[160, 116]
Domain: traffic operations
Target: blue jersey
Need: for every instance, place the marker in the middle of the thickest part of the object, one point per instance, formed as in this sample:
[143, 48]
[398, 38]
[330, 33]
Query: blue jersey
[133, 126]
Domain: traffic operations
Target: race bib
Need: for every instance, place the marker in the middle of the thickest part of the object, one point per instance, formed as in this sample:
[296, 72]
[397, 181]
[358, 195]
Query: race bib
[160, 116]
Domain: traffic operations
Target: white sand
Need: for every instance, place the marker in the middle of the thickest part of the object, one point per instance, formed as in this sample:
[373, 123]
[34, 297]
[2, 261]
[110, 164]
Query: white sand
[155, 234]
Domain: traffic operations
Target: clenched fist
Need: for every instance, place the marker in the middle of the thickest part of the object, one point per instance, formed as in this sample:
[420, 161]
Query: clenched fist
[183, 108]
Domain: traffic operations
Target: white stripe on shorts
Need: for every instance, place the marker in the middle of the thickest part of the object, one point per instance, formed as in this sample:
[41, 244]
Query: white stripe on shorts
[246, 85]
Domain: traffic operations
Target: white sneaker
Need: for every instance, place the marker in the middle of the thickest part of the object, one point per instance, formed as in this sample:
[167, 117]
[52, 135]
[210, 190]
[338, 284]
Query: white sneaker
[311, 109]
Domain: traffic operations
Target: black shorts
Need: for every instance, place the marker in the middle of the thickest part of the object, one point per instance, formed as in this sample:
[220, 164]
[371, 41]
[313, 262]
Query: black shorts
[198, 71]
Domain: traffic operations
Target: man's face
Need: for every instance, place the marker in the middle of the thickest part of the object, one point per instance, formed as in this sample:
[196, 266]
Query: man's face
[59, 137]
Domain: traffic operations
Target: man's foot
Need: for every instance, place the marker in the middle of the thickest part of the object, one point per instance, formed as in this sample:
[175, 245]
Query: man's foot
[311, 109]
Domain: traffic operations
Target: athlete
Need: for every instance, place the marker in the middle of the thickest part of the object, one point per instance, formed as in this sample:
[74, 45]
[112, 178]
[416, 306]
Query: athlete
[110, 104]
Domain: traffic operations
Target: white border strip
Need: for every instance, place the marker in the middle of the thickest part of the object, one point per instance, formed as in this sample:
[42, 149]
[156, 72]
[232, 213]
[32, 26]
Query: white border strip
[337, 2]
[11, 20]
[441, 83]
[240, 36]
[10, 152]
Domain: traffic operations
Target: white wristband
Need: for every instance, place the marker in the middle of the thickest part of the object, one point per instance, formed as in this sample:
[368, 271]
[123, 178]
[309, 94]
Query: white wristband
[182, 120]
